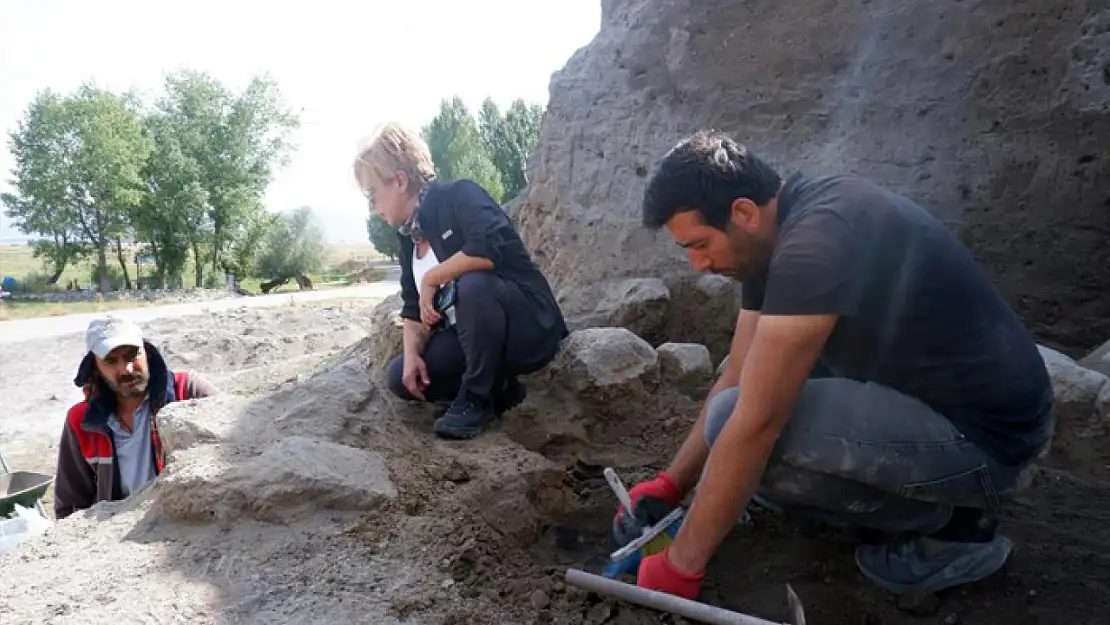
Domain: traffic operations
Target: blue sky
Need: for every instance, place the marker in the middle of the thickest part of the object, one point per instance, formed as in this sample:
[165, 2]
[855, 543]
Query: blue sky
[347, 66]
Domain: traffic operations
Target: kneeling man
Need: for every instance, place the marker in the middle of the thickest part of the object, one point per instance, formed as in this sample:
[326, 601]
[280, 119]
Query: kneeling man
[934, 404]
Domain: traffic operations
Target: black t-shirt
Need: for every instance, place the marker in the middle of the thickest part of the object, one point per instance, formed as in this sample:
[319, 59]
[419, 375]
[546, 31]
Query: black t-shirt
[917, 313]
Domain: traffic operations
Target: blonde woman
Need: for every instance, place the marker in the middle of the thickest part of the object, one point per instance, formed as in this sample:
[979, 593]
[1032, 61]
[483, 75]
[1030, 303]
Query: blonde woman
[477, 310]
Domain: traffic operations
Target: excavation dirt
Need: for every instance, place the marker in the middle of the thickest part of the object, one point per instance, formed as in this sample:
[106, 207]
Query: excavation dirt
[307, 495]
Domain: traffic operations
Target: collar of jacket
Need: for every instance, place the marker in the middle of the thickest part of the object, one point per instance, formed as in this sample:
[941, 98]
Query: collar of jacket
[421, 210]
[102, 400]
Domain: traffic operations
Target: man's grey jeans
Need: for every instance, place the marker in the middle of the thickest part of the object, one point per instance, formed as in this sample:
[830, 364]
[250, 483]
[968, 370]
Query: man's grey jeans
[862, 454]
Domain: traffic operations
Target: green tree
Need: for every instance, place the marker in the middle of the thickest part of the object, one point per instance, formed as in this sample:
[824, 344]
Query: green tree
[455, 142]
[96, 142]
[40, 204]
[383, 236]
[509, 140]
[171, 221]
[292, 248]
[226, 148]
[248, 239]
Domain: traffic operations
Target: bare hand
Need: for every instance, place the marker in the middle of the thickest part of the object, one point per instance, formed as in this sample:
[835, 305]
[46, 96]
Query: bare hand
[415, 377]
[428, 314]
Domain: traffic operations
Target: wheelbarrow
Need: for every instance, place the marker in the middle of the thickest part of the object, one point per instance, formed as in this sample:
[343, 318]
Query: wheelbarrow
[25, 488]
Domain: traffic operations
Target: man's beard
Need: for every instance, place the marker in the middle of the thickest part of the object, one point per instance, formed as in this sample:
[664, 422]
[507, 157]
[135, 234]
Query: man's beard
[757, 259]
[122, 385]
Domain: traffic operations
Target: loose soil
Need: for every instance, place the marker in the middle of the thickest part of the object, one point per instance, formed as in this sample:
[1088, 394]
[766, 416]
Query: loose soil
[483, 531]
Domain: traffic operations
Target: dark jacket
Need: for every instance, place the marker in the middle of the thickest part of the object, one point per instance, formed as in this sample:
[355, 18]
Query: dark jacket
[87, 471]
[462, 216]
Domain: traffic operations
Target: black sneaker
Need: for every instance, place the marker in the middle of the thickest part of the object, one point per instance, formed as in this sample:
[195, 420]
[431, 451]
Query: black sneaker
[465, 419]
[510, 396]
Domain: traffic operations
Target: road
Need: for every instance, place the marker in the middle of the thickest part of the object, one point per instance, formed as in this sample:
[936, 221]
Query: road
[18, 330]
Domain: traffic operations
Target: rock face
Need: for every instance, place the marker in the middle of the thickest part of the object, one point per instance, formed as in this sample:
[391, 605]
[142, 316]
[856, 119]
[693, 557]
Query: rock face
[994, 115]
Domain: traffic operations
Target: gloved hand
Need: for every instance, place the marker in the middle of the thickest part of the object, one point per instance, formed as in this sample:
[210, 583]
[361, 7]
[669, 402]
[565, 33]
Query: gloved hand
[651, 501]
[657, 573]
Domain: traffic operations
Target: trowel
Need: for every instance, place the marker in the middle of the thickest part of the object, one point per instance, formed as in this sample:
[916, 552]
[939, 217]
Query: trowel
[652, 539]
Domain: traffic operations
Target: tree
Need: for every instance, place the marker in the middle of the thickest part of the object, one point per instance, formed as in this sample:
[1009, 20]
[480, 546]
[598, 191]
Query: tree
[509, 141]
[383, 236]
[220, 153]
[40, 204]
[456, 145]
[106, 183]
[292, 248]
[80, 173]
[247, 242]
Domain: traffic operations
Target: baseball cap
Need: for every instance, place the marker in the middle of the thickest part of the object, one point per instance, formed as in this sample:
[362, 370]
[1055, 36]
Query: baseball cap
[107, 333]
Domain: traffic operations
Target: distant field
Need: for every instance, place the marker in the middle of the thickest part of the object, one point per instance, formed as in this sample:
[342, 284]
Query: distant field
[16, 261]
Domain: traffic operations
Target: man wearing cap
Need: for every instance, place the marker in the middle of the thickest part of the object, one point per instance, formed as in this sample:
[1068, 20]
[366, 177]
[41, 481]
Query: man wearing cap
[110, 447]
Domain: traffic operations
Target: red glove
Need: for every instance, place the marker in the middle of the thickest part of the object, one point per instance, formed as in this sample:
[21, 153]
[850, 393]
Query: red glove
[662, 487]
[657, 573]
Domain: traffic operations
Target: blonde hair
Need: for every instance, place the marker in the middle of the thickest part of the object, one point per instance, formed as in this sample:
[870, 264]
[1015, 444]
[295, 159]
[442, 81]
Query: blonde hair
[392, 148]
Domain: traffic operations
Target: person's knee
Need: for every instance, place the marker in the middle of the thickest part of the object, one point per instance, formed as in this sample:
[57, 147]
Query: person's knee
[720, 409]
[395, 377]
[476, 288]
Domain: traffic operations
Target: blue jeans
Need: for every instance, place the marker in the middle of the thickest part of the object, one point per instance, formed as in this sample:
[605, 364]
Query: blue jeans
[862, 454]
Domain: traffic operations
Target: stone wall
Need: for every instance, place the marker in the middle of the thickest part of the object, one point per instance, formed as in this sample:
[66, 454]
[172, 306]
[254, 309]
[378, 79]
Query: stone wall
[994, 115]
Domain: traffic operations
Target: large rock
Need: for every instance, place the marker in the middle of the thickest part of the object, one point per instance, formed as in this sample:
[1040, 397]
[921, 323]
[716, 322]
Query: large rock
[638, 304]
[1005, 142]
[602, 392]
[686, 366]
[292, 478]
[386, 335]
[1081, 416]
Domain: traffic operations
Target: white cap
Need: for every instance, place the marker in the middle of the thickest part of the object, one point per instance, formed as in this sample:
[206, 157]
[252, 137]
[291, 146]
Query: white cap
[107, 333]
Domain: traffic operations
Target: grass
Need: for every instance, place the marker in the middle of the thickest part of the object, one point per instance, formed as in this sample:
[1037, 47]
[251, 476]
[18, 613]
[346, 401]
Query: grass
[29, 309]
[17, 261]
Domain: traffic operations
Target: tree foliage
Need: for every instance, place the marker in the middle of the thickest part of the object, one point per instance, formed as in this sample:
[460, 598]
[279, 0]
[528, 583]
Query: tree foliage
[383, 236]
[78, 174]
[185, 178]
[292, 246]
[491, 150]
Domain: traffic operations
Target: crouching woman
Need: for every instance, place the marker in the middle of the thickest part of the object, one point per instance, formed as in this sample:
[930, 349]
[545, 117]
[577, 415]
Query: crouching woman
[477, 311]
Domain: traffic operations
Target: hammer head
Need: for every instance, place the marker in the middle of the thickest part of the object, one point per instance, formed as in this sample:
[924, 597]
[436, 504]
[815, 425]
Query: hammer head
[797, 614]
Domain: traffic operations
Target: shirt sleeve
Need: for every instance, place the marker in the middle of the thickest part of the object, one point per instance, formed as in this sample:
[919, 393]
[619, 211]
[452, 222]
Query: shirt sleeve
[480, 221]
[410, 297]
[198, 386]
[815, 268]
[74, 481]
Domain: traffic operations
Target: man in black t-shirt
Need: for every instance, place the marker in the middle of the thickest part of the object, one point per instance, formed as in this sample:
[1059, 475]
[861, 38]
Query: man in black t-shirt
[934, 402]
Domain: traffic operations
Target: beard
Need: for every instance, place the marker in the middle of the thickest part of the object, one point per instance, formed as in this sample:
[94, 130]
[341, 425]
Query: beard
[753, 255]
[133, 385]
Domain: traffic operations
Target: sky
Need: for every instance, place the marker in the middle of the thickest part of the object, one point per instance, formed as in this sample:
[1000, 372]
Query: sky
[345, 66]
